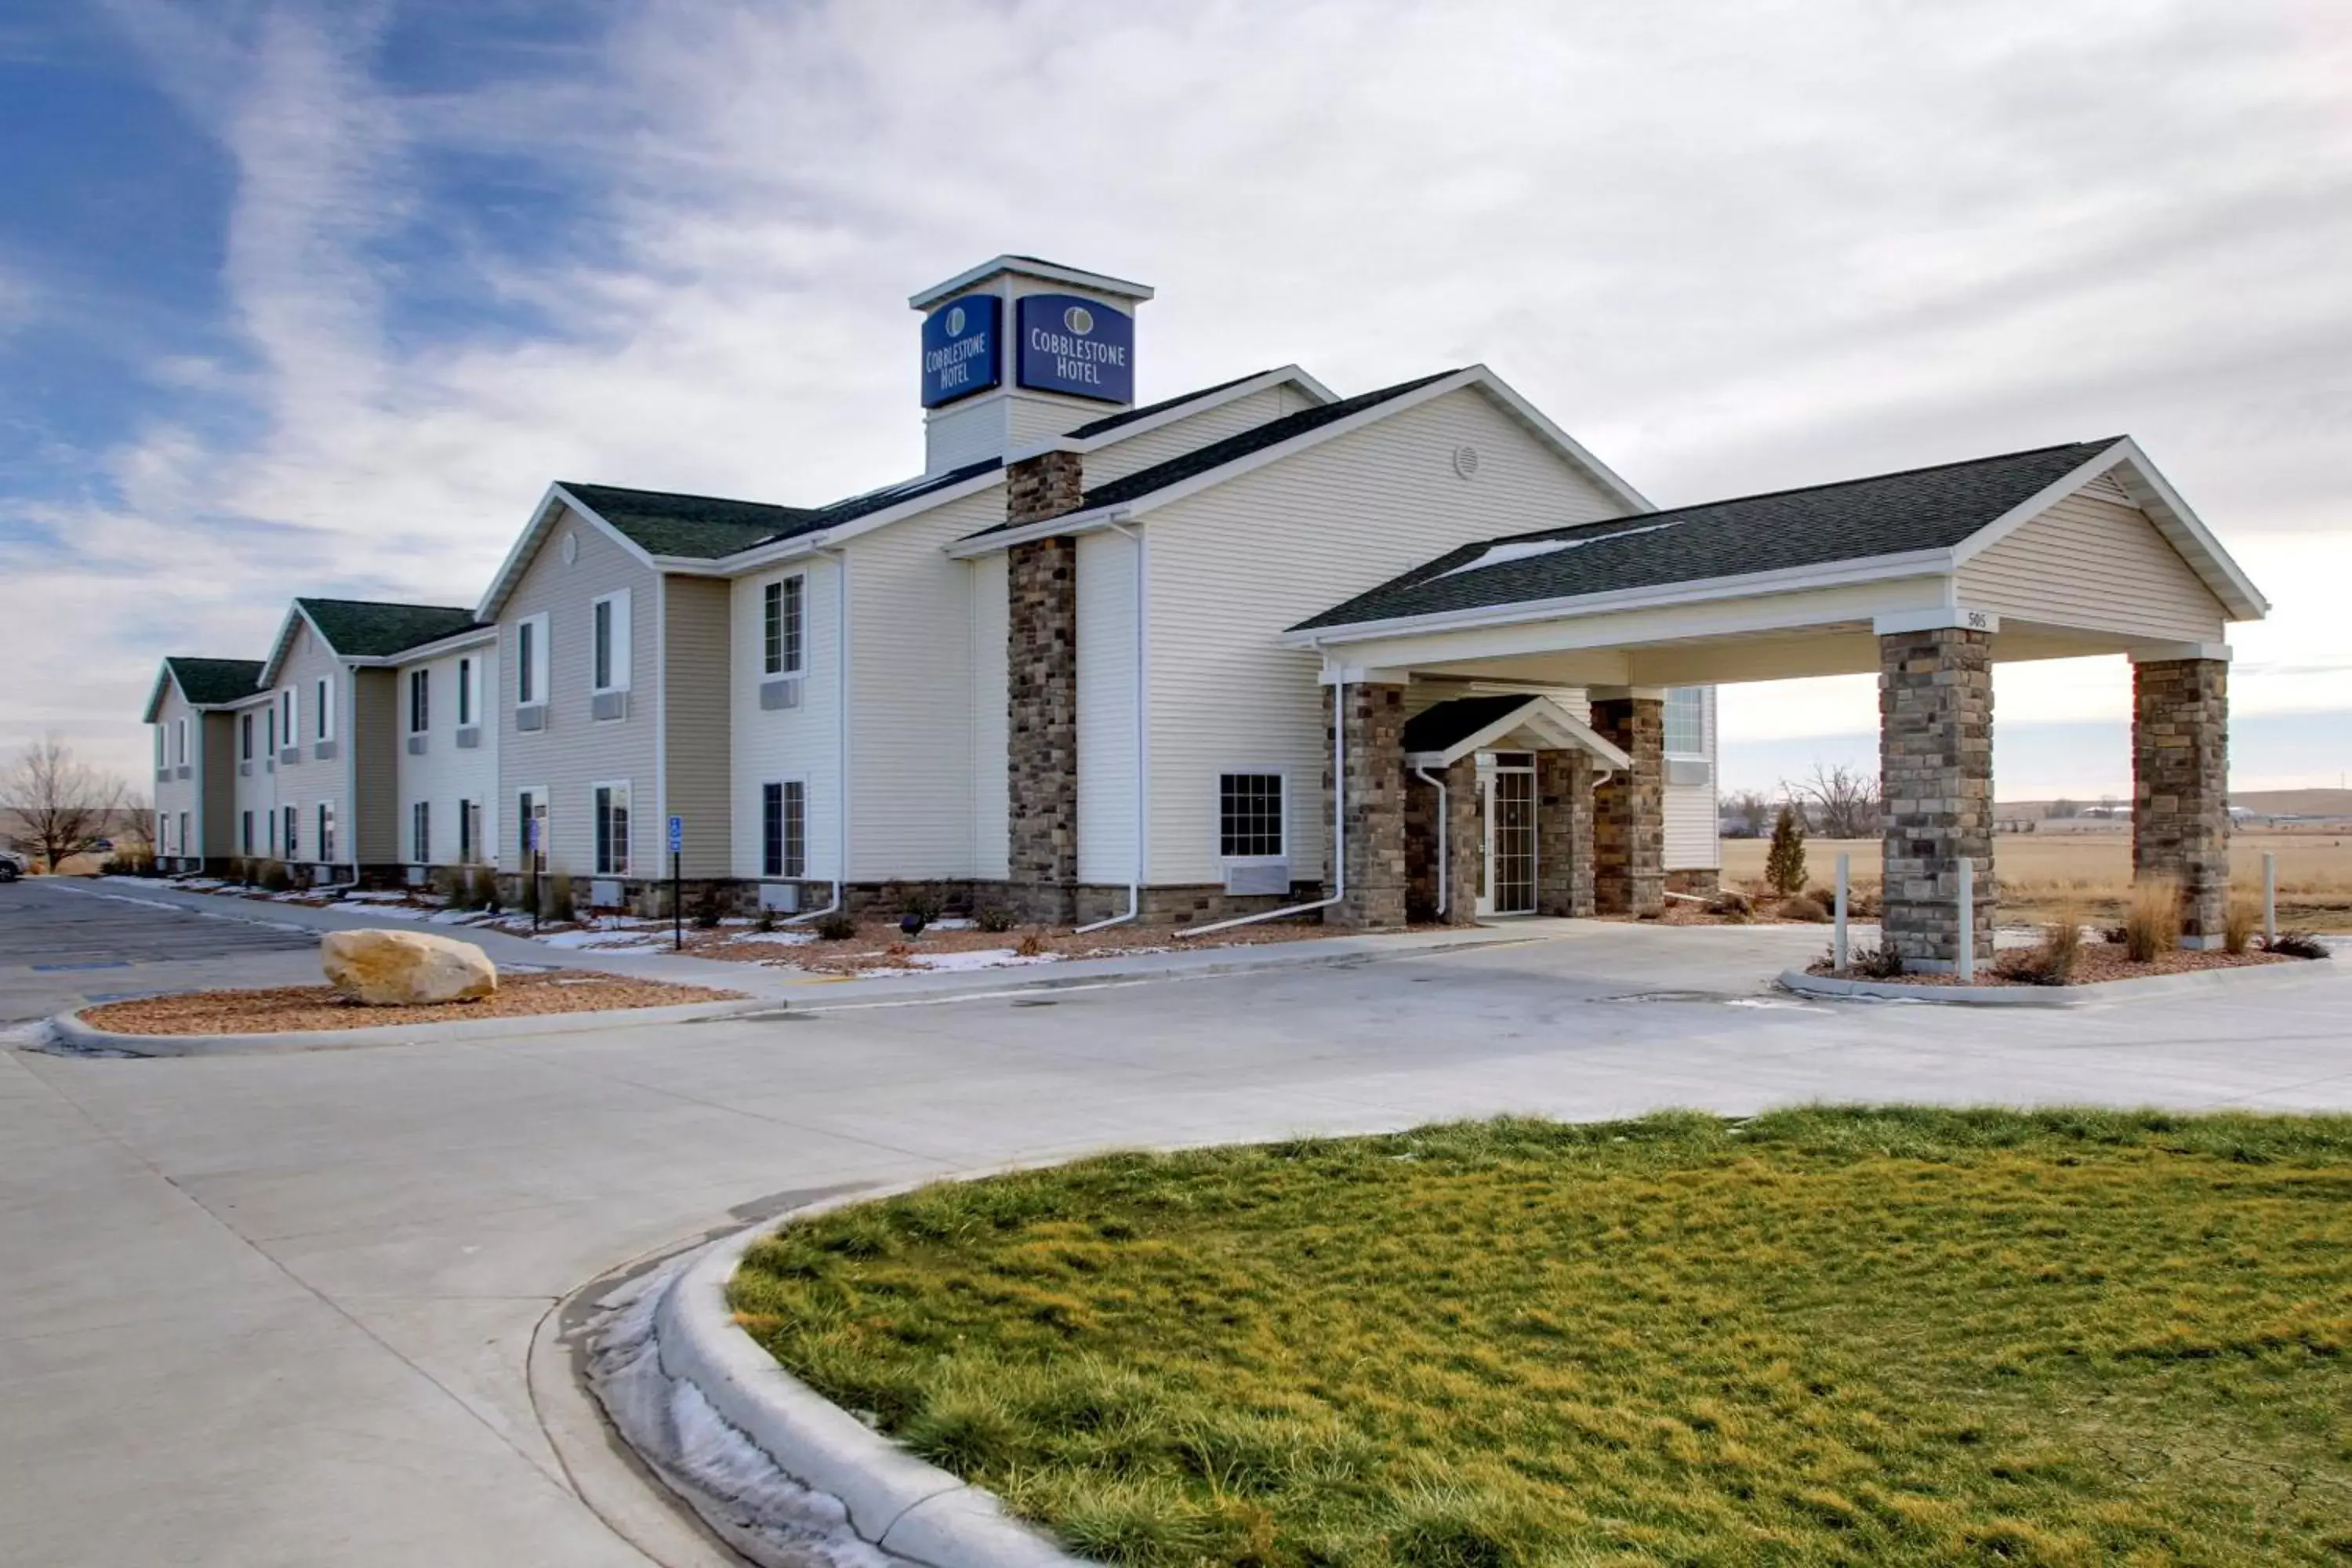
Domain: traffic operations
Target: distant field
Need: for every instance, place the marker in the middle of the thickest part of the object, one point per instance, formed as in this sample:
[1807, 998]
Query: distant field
[2040, 874]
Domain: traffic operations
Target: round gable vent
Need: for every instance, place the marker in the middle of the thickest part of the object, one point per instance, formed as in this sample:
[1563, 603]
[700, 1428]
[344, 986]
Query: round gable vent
[571, 548]
[1465, 461]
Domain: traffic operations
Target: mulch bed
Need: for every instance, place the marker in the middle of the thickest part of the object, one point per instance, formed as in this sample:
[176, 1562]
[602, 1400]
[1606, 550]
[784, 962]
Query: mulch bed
[2098, 962]
[291, 1007]
[881, 945]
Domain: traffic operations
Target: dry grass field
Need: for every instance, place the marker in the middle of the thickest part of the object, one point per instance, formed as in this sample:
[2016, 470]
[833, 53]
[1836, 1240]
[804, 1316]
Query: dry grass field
[2041, 874]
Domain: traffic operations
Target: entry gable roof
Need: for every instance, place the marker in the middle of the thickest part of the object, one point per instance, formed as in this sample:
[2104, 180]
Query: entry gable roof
[204, 682]
[1442, 735]
[1939, 514]
[1238, 454]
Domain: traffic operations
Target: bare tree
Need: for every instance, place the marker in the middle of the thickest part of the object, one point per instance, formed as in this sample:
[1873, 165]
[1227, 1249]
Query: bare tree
[1750, 809]
[1841, 801]
[61, 806]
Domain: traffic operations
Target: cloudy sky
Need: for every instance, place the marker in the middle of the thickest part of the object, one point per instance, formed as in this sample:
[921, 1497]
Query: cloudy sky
[319, 297]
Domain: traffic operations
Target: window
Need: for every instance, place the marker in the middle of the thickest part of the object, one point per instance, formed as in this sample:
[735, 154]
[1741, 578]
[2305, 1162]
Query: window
[290, 713]
[611, 632]
[420, 830]
[183, 833]
[531, 661]
[180, 741]
[470, 829]
[273, 830]
[420, 700]
[612, 802]
[245, 748]
[293, 835]
[1686, 721]
[245, 832]
[326, 719]
[784, 829]
[273, 728]
[161, 760]
[1249, 817]
[780, 615]
[530, 825]
[326, 830]
[465, 693]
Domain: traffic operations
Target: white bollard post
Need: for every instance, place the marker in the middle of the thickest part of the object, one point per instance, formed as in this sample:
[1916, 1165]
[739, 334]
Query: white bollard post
[2270, 898]
[1967, 967]
[1838, 943]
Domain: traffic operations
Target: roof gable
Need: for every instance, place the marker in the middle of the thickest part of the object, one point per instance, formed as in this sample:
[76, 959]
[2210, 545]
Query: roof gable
[1915, 510]
[209, 683]
[1443, 734]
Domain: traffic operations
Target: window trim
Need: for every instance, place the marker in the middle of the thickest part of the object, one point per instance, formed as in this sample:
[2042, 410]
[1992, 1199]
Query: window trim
[540, 807]
[325, 854]
[420, 832]
[1699, 693]
[600, 834]
[293, 818]
[245, 741]
[326, 714]
[420, 699]
[783, 859]
[783, 655]
[1217, 817]
[610, 642]
[180, 741]
[532, 662]
[468, 671]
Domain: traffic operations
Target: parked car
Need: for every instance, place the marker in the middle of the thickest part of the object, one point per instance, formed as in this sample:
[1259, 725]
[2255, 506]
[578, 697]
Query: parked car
[12, 866]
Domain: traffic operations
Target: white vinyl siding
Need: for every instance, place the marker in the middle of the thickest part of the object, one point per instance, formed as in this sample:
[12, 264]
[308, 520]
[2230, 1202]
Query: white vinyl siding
[309, 782]
[2092, 563]
[1193, 432]
[992, 781]
[1691, 841]
[574, 750]
[1105, 708]
[1235, 566]
[769, 743]
[443, 774]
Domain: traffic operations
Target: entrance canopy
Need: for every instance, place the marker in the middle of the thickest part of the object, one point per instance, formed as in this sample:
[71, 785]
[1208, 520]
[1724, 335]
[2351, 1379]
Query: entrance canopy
[2055, 553]
[1441, 736]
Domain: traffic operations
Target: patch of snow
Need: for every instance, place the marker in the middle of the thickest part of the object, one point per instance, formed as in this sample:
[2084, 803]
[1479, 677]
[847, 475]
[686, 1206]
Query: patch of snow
[376, 898]
[455, 917]
[777, 938]
[399, 913]
[729, 1481]
[608, 940]
[957, 923]
[983, 958]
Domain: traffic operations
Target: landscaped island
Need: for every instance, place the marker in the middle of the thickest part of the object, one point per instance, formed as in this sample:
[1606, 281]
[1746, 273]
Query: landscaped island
[1818, 1336]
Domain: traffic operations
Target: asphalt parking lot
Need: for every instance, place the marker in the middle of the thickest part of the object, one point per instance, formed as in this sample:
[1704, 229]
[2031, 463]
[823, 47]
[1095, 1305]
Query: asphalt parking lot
[61, 946]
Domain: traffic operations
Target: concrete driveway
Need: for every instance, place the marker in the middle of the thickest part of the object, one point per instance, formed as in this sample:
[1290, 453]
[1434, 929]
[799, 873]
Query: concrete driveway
[274, 1309]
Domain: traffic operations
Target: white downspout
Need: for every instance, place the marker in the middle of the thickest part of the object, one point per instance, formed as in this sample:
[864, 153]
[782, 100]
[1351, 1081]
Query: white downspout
[840, 560]
[1143, 788]
[1445, 862]
[1339, 828]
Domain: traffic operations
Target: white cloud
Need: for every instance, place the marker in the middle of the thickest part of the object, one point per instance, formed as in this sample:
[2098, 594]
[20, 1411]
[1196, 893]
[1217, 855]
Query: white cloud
[1795, 242]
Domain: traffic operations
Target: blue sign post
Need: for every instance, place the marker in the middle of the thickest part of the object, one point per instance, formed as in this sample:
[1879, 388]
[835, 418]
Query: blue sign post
[677, 905]
[962, 352]
[1083, 348]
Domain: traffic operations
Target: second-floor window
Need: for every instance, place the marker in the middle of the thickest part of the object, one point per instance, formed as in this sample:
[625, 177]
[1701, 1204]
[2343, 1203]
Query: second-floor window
[420, 700]
[245, 749]
[609, 659]
[531, 661]
[180, 741]
[780, 621]
[326, 711]
[464, 692]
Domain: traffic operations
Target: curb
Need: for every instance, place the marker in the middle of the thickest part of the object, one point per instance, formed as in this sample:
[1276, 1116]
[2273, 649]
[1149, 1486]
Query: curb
[896, 1501]
[70, 1031]
[2153, 985]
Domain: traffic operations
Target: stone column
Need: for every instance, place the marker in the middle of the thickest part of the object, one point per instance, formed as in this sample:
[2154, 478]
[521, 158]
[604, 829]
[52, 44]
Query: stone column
[1629, 809]
[1042, 692]
[1934, 761]
[1372, 725]
[1461, 841]
[1564, 845]
[2180, 788]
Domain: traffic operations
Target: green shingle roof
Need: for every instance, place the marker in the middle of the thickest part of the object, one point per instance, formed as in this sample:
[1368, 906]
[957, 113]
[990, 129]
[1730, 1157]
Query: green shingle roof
[364, 628]
[1886, 514]
[707, 528]
[208, 681]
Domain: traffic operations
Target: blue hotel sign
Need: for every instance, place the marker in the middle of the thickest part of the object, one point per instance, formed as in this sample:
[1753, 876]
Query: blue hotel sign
[1080, 347]
[962, 353]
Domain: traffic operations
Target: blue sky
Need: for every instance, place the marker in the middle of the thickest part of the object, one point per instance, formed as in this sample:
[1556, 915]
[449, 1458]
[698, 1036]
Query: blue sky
[306, 297]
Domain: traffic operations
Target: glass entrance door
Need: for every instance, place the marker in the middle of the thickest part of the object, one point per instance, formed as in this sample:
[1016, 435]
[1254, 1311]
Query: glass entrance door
[1511, 834]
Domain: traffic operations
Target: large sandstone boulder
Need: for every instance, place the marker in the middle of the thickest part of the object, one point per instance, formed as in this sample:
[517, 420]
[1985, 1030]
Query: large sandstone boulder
[406, 968]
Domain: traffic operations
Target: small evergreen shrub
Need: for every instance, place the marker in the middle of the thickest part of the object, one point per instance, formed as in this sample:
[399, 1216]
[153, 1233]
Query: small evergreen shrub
[1784, 863]
[995, 918]
[765, 919]
[838, 926]
[276, 878]
[706, 911]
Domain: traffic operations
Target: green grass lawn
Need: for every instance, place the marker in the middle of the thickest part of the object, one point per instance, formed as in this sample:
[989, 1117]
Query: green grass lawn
[1869, 1336]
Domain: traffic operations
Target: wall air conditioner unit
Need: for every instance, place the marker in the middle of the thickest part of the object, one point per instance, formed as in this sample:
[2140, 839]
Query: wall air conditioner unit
[416, 745]
[1257, 879]
[783, 692]
[531, 716]
[608, 705]
[469, 738]
[1689, 770]
[783, 897]
[604, 895]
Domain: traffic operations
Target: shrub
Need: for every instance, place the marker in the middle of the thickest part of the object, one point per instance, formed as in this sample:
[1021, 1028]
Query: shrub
[995, 918]
[2152, 923]
[838, 926]
[556, 901]
[1880, 962]
[481, 888]
[706, 911]
[2297, 944]
[1030, 946]
[2051, 961]
[1784, 863]
[921, 903]
[765, 919]
[2240, 923]
[1805, 908]
[276, 878]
